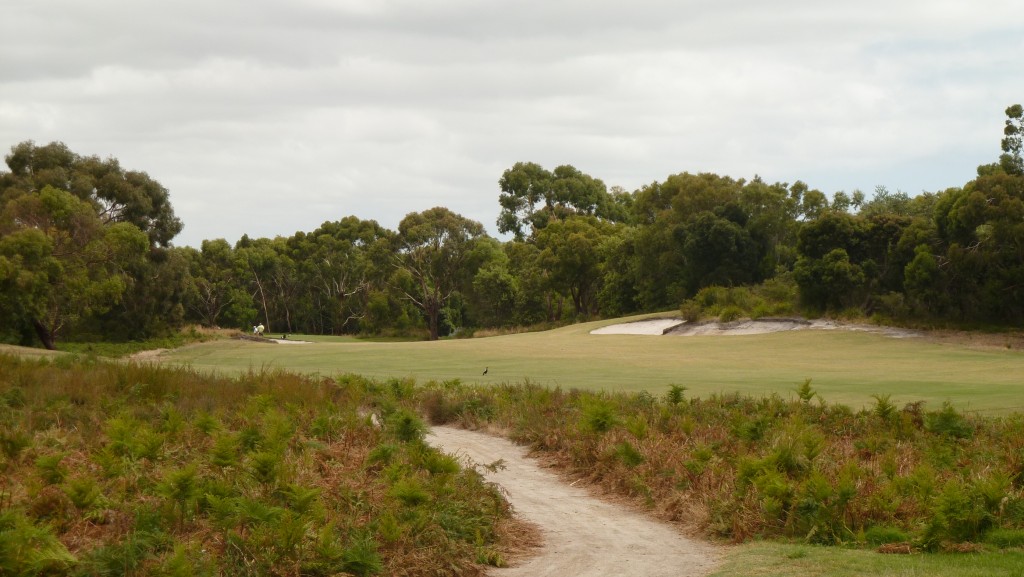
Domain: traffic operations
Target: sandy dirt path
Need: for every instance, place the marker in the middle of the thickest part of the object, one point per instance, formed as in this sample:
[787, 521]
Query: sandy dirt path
[583, 535]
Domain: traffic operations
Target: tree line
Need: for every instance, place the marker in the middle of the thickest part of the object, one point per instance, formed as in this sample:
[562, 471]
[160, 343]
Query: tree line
[86, 253]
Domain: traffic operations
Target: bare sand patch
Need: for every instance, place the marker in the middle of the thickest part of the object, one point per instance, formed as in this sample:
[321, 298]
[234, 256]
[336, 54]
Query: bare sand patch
[647, 327]
[291, 342]
[679, 327]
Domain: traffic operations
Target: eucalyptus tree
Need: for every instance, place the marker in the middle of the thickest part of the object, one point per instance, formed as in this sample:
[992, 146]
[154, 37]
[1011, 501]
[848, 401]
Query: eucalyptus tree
[116, 194]
[1013, 141]
[60, 263]
[341, 264]
[216, 294]
[433, 257]
[531, 197]
[86, 207]
[571, 252]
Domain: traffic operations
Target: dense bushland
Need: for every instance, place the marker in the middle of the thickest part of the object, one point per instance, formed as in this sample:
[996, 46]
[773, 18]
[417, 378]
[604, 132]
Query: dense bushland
[743, 468]
[85, 255]
[127, 469]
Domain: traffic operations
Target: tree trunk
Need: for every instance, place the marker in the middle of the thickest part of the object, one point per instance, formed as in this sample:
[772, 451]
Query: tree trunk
[433, 316]
[45, 335]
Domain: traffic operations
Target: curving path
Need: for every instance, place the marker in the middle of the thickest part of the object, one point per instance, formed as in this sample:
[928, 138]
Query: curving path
[583, 536]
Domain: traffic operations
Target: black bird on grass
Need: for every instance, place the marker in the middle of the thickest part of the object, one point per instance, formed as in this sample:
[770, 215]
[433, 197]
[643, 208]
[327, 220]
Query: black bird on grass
[485, 370]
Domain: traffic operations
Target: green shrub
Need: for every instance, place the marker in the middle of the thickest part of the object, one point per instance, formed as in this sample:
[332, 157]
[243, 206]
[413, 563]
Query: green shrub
[27, 549]
[382, 454]
[13, 442]
[409, 492]
[1006, 538]
[883, 534]
[674, 396]
[360, 558]
[690, 311]
[948, 422]
[628, 454]
[83, 492]
[406, 426]
[730, 313]
[598, 416]
[50, 469]
[884, 408]
[265, 467]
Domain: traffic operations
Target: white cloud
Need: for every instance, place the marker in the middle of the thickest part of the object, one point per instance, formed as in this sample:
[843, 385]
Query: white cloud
[269, 117]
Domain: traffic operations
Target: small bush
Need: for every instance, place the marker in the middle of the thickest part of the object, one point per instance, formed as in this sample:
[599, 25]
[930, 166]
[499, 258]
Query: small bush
[13, 442]
[599, 416]
[50, 469]
[406, 426]
[674, 396]
[628, 454]
[83, 492]
[948, 422]
[360, 558]
[409, 492]
[438, 408]
[730, 313]
[30, 549]
[690, 311]
[1006, 538]
[881, 535]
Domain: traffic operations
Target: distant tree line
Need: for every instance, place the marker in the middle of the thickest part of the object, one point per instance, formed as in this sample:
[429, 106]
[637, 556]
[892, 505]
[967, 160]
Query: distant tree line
[86, 253]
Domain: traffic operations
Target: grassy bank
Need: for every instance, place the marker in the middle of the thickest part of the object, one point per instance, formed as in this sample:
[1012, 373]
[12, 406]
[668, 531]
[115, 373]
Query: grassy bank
[766, 559]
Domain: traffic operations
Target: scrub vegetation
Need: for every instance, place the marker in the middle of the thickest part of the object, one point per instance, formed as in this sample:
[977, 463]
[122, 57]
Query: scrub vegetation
[86, 255]
[741, 468]
[128, 469]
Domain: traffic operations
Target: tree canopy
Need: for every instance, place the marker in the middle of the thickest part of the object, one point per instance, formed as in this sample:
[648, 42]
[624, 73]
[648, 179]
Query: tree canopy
[85, 253]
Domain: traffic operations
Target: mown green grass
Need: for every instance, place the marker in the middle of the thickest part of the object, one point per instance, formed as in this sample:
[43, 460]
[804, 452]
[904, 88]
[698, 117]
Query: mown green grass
[765, 559]
[845, 366]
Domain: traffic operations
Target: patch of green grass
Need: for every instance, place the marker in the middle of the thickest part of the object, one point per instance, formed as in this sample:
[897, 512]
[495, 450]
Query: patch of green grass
[846, 367]
[123, 349]
[765, 559]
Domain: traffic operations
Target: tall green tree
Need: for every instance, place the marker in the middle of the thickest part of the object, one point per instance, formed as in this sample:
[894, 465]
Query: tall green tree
[60, 263]
[340, 264]
[571, 251]
[433, 253]
[531, 197]
[1013, 141]
[116, 194]
[216, 293]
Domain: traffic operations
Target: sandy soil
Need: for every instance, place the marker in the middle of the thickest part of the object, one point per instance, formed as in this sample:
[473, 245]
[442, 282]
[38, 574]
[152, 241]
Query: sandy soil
[649, 327]
[583, 536]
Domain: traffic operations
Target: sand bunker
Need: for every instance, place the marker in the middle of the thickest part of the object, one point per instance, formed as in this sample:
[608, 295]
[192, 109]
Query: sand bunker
[679, 327]
[648, 327]
[290, 342]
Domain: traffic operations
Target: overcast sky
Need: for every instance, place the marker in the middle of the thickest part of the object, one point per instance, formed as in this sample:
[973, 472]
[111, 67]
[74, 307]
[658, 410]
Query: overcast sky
[269, 117]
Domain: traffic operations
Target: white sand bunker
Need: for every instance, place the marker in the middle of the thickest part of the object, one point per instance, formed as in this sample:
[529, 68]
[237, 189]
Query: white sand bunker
[679, 327]
[291, 342]
[743, 327]
[648, 327]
